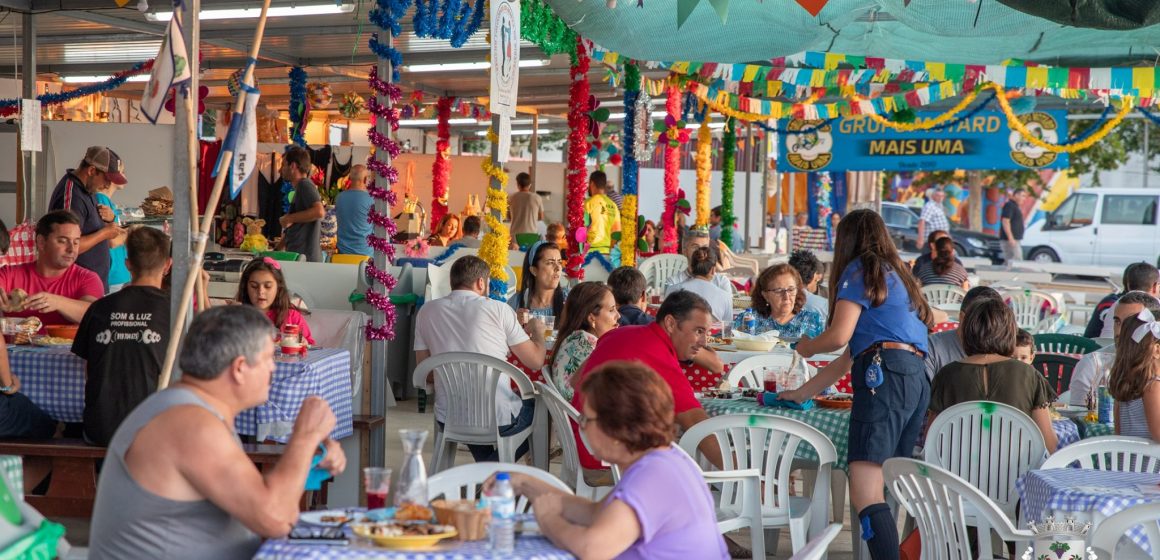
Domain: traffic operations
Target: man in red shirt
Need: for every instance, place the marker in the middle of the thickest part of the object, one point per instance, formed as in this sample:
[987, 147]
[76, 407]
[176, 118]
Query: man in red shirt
[53, 288]
[682, 324]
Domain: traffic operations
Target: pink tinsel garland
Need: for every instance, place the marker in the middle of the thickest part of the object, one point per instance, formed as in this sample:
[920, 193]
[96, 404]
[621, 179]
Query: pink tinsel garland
[441, 169]
[380, 244]
[577, 174]
[669, 239]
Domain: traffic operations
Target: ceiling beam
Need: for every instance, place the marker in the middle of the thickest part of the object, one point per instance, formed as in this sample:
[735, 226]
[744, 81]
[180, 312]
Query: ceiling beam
[23, 6]
[209, 35]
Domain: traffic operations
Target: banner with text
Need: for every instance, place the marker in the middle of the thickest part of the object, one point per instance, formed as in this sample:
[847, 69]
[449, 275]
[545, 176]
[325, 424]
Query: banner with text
[983, 141]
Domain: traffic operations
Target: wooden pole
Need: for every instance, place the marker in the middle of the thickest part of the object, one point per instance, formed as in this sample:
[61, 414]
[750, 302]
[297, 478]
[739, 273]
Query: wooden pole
[193, 144]
[201, 236]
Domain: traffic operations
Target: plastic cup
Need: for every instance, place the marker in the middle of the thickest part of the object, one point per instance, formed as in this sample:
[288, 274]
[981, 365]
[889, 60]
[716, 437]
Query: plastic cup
[378, 485]
[549, 325]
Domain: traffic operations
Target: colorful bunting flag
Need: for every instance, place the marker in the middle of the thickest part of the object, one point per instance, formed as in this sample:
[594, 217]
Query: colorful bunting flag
[170, 69]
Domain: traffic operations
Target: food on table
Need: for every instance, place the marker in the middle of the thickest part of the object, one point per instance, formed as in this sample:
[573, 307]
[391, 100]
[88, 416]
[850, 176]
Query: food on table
[52, 341]
[395, 529]
[413, 512]
[16, 301]
[158, 203]
[341, 518]
[26, 329]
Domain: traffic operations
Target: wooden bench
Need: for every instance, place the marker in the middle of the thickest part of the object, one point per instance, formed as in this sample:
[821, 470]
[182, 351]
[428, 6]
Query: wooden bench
[72, 490]
[364, 424]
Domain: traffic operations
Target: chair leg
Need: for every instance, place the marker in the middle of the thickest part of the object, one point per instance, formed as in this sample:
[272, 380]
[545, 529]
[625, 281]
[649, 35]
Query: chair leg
[797, 534]
[983, 536]
[838, 484]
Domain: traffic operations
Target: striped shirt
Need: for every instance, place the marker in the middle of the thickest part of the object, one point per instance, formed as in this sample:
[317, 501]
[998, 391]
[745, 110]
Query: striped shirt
[926, 275]
[1133, 422]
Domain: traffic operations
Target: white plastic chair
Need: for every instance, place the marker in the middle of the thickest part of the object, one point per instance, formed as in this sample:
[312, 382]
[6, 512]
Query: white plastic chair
[511, 283]
[750, 372]
[465, 481]
[769, 444]
[817, 547]
[1032, 308]
[438, 282]
[940, 502]
[468, 383]
[748, 483]
[941, 294]
[1108, 533]
[991, 445]
[1109, 453]
[658, 269]
[563, 415]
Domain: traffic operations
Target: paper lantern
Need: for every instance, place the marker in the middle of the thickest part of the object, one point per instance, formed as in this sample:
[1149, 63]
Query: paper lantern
[320, 94]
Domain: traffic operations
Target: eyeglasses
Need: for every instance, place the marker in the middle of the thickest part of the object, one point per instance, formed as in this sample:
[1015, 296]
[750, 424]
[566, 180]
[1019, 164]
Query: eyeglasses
[584, 420]
[783, 292]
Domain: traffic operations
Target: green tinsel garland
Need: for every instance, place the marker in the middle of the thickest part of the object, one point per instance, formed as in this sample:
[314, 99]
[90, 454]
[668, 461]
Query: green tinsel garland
[728, 165]
[543, 28]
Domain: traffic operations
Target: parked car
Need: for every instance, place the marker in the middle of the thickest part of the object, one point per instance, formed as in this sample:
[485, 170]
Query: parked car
[1100, 226]
[902, 221]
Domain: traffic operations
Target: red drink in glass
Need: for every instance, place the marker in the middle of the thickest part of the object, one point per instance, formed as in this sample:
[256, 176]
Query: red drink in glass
[376, 500]
[770, 386]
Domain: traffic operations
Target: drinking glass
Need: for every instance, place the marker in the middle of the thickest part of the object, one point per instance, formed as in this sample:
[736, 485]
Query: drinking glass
[770, 384]
[378, 485]
[549, 325]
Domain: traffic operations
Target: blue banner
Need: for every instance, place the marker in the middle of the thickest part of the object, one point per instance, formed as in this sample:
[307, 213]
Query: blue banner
[982, 141]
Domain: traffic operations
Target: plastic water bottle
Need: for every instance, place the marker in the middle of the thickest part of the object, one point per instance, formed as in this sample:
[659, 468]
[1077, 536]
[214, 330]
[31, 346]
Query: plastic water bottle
[502, 501]
[1105, 404]
[749, 321]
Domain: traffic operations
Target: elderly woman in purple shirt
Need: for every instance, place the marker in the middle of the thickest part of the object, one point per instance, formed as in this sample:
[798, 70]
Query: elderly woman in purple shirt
[661, 508]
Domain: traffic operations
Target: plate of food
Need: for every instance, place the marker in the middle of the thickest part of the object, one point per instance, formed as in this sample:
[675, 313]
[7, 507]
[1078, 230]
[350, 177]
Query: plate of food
[52, 341]
[836, 400]
[404, 535]
[328, 518]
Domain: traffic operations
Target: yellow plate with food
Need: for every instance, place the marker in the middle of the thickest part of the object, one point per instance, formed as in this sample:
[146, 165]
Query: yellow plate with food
[404, 536]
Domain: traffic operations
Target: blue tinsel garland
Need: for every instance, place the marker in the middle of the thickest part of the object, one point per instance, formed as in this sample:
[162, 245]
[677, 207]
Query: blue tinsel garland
[629, 167]
[600, 258]
[451, 249]
[83, 91]
[297, 105]
[455, 20]
[386, 15]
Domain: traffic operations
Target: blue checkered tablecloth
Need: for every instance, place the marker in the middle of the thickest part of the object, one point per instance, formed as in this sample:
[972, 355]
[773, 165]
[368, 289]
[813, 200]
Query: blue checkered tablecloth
[1066, 432]
[529, 548]
[54, 379]
[1061, 491]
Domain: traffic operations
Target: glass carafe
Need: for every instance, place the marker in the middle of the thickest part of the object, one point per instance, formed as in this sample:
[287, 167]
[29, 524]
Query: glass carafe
[412, 479]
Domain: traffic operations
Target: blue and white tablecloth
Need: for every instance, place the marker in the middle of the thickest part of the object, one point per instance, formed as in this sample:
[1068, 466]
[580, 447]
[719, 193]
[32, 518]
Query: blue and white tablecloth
[529, 548]
[1095, 494]
[54, 379]
[1066, 432]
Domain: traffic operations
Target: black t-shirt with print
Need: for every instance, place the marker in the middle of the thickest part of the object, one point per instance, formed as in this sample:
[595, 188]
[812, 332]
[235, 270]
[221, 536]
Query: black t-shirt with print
[122, 337]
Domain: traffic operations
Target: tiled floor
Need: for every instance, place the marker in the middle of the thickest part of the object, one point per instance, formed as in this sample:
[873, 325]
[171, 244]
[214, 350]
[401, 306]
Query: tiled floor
[406, 416]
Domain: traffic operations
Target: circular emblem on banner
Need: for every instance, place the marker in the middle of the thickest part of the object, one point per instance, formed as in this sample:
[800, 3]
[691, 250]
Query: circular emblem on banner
[808, 146]
[505, 65]
[1026, 154]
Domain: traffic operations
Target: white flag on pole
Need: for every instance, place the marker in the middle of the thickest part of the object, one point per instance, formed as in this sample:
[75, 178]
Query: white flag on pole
[171, 68]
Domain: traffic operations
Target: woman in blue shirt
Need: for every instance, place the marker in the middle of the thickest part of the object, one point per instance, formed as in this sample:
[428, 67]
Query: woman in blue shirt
[877, 308]
[118, 272]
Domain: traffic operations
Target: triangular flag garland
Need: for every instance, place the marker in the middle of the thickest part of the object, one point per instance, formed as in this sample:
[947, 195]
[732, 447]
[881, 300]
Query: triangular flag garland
[170, 69]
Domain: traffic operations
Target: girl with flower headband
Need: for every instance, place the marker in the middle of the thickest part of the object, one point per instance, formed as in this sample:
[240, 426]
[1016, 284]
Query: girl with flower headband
[264, 287]
[1135, 372]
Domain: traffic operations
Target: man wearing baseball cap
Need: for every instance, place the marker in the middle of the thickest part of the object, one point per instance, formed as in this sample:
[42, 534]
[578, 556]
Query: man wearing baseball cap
[76, 191]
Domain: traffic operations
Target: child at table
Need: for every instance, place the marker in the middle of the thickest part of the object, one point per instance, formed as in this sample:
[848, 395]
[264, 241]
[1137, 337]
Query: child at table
[1134, 375]
[877, 308]
[264, 287]
[1024, 347]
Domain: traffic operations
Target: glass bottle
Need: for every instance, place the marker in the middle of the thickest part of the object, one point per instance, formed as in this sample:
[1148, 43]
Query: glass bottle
[412, 480]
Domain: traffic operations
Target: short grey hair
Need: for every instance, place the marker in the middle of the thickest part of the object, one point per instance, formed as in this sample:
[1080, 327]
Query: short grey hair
[466, 271]
[1143, 298]
[219, 335]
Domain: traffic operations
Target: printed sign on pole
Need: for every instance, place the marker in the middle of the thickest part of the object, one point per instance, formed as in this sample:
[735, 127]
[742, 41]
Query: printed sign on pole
[505, 56]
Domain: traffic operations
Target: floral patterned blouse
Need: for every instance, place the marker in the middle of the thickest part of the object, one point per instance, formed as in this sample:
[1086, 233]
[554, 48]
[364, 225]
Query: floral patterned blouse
[808, 322]
[573, 352]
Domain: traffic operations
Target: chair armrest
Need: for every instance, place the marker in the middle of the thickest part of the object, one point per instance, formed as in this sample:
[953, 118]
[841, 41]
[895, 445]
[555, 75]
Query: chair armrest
[739, 475]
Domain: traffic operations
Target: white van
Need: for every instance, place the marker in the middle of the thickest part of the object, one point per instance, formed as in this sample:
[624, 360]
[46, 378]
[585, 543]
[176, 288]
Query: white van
[1098, 226]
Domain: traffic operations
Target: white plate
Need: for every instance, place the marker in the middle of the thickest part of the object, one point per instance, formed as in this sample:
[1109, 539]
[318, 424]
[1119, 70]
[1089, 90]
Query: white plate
[315, 517]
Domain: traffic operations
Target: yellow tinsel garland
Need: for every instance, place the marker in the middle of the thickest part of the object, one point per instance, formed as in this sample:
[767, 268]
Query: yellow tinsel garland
[704, 172]
[493, 249]
[928, 123]
[1016, 124]
[628, 230]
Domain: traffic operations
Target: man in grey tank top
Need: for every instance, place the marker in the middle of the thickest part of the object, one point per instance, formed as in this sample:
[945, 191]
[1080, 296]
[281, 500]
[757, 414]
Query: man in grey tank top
[176, 483]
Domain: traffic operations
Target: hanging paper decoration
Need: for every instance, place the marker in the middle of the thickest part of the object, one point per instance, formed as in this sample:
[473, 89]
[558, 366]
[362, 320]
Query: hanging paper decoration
[541, 26]
[672, 131]
[320, 95]
[685, 9]
[577, 171]
[299, 106]
[815, 6]
[597, 116]
[234, 82]
[171, 103]
[352, 105]
[441, 169]
[669, 241]
[728, 166]
[645, 142]
[704, 160]
[385, 15]
[630, 169]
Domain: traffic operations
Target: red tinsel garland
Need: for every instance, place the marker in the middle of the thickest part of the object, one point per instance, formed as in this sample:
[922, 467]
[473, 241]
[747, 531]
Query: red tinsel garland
[441, 169]
[577, 174]
[669, 239]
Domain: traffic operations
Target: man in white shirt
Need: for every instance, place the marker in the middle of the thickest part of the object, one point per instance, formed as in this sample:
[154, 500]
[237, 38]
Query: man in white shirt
[469, 321]
[695, 239]
[1092, 367]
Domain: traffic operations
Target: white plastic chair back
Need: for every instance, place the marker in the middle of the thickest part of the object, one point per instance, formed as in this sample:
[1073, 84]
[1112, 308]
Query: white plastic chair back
[595, 272]
[468, 383]
[1108, 533]
[941, 294]
[1109, 453]
[991, 445]
[465, 482]
[564, 415]
[658, 269]
[938, 500]
[1031, 308]
[438, 281]
[748, 483]
[512, 286]
[1051, 323]
[750, 372]
[768, 444]
[817, 547]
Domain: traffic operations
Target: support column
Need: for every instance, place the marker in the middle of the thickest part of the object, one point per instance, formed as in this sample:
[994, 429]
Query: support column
[380, 386]
[534, 146]
[184, 177]
[25, 209]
